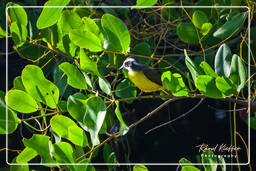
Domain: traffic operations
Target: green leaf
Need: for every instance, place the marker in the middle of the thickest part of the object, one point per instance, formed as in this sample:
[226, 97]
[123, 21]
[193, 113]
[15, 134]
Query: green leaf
[26, 155]
[105, 86]
[140, 167]
[142, 48]
[123, 127]
[109, 156]
[207, 86]
[12, 121]
[63, 153]
[39, 87]
[40, 144]
[21, 101]
[17, 15]
[222, 163]
[18, 33]
[189, 168]
[144, 3]
[206, 28]
[222, 61]
[17, 84]
[187, 33]
[208, 157]
[174, 83]
[87, 64]
[184, 160]
[238, 72]
[192, 67]
[69, 20]
[94, 117]
[76, 106]
[207, 69]
[49, 16]
[118, 36]
[75, 77]
[199, 18]
[68, 129]
[231, 27]
[18, 167]
[125, 89]
[225, 86]
[2, 33]
[86, 39]
[90, 25]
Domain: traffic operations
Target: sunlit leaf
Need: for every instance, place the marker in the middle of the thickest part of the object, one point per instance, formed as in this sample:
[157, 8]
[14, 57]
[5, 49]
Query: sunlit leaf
[199, 18]
[209, 157]
[206, 28]
[49, 16]
[17, 14]
[123, 127]
[105, 86]
[192, 67]
[141, 3]
[39, 87]
[207, 69]
[63, 153]
[21, 101]
[118, 36]
[87, 64]
[140, 167]
[18, 33]
[226, 86]
[75, 77]
[26, 155]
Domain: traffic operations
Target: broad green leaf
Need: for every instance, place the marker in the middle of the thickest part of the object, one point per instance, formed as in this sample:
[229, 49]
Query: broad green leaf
[189, 168]
[94, 117]
[69, 20]
[199, 18]
[222, 61]
[17, 15]
[18, 33]
[140, 167]
[63, 153]
[174, 83]
[187, 33]
[12, 121]
[2, 33]
[17, 84]
[26, 155]
[86, 39]
[90, 25]
[21, 101]
[68, 129]
[40, 144]
[39, 87]
[105, 86]
[87, 64]
[231, 27]
[123, 127]
[192, 67]
[207, 86]
[206, 28]
[18, 167]
[75, 77]
[207, 69]
[126, 89]
[222, 163]
[225, 86]
[117, 34]
[66, 46]
[141, 3]
[76, 106]
[238, 72]
[208, 159]
[49, 16]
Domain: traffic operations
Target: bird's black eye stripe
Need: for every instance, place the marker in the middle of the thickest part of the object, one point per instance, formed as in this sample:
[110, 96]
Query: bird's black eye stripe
[128, 64]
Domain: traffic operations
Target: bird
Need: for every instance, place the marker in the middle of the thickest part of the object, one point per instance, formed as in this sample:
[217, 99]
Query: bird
[147, 79]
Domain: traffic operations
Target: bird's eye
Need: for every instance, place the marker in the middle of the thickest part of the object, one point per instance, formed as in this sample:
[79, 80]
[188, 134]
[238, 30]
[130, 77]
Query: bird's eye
[127, 64]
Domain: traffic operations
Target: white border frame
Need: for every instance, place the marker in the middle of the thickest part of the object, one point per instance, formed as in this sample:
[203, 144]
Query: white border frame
[118, 164]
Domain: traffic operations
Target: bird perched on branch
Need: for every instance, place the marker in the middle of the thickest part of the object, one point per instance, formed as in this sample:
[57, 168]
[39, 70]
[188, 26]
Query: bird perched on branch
[145, 78]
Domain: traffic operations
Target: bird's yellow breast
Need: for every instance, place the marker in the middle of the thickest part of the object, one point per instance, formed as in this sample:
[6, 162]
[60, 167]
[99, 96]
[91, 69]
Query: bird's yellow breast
[142, 82]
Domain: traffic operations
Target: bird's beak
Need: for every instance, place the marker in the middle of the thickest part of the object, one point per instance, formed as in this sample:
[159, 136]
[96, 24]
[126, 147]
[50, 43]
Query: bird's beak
[121, 67]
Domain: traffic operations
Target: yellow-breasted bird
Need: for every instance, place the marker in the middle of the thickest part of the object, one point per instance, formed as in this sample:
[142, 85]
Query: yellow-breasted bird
[145, 78]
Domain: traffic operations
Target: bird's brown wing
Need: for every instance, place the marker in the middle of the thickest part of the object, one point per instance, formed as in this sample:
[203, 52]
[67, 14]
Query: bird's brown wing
[152, 75]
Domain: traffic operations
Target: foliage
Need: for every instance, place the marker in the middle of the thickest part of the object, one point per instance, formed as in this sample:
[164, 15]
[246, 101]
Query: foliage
[73, 87]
